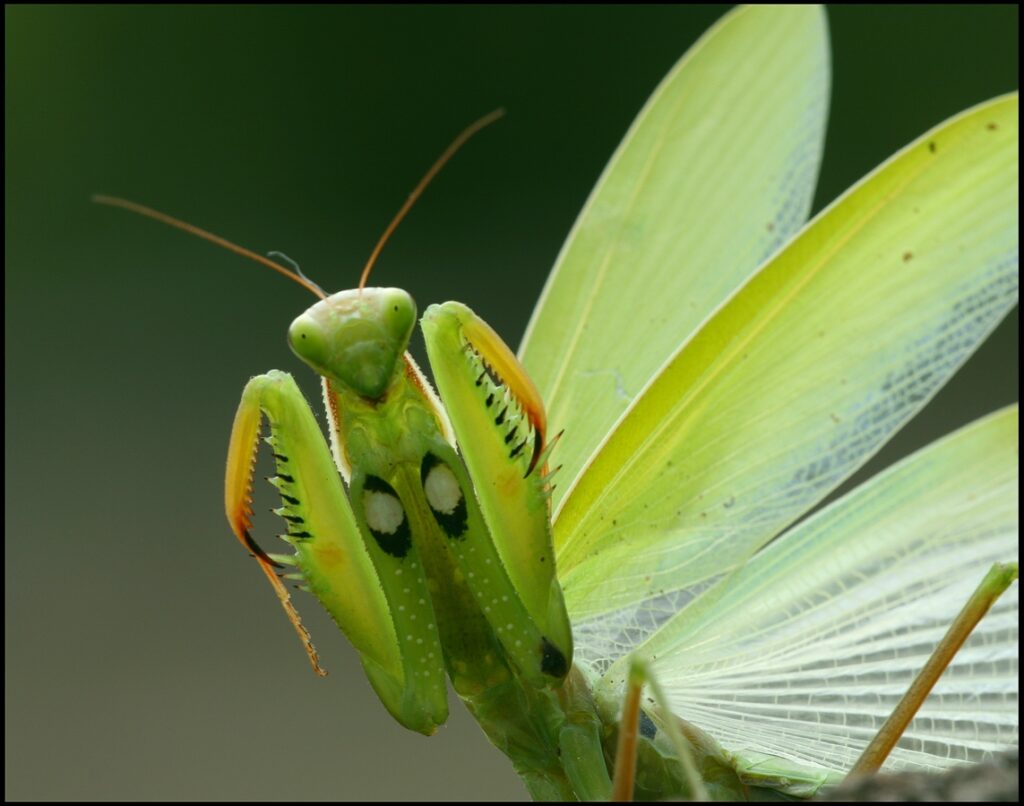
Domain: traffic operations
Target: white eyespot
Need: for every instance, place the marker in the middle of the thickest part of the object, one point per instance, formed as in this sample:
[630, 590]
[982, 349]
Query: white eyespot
[384, 513]
[442, 490]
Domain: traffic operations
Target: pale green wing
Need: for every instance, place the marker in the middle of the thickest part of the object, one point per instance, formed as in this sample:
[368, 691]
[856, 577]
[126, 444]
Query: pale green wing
[803, 652]
[716, 173]
[803, 374]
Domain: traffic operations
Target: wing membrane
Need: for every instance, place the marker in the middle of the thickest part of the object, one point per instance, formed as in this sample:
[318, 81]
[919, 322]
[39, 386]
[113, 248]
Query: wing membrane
[717, 172]
[804, 651]
[803, 374]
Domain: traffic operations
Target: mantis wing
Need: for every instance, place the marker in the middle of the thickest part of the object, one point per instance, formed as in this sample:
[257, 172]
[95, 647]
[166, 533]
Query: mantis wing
[799, 378]
[715, 174]
[803, 652]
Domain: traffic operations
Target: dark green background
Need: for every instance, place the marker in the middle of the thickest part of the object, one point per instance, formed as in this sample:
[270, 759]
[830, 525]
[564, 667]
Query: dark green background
[146, 656]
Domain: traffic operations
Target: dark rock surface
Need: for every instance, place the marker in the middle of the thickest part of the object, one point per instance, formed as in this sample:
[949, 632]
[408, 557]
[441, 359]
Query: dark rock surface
[998, 780]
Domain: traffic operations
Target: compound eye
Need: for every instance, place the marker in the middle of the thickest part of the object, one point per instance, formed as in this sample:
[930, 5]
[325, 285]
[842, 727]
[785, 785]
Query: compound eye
[398, 315]
[306, 338]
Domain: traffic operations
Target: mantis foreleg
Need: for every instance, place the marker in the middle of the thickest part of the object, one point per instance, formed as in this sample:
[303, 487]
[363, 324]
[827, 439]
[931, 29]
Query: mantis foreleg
[377, 594]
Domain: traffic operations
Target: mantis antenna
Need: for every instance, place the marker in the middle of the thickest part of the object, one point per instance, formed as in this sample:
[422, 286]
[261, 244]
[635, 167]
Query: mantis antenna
[114, 201]
[298, 276]
[449, 152]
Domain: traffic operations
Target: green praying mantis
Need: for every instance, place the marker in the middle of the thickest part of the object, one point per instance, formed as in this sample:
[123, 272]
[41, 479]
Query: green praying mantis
[703, 368]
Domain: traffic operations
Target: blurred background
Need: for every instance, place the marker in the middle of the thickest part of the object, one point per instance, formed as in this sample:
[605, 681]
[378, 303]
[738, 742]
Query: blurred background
[146, 657]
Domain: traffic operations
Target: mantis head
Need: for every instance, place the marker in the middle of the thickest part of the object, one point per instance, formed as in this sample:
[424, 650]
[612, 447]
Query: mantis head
[356, 338]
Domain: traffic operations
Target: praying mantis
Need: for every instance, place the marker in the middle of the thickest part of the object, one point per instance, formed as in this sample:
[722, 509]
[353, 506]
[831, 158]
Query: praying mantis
[702, 369]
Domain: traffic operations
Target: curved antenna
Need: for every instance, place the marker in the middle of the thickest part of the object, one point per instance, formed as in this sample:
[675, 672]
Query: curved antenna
[114, 201]
[456, 144]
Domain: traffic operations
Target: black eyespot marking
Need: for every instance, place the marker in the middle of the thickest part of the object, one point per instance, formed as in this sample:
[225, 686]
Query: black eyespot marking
[501, 417]
[283, 477]
[444, 496]
[290, 499]
[552, 661]
[280, 457]
[647, 727]
[511, 435]
[385, 517]
[489, 401]
[515, 451]
[376, 484]
[480, 378]
[294, 518]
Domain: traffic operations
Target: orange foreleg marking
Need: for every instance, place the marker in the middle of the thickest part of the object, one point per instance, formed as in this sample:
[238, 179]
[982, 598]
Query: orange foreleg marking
[238, 505]
[506, 366]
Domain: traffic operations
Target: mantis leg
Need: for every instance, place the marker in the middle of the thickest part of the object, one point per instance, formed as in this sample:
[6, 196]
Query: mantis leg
[499, 422]
[624, 780]
[579, 741]
[996, 581]
[372, 595]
